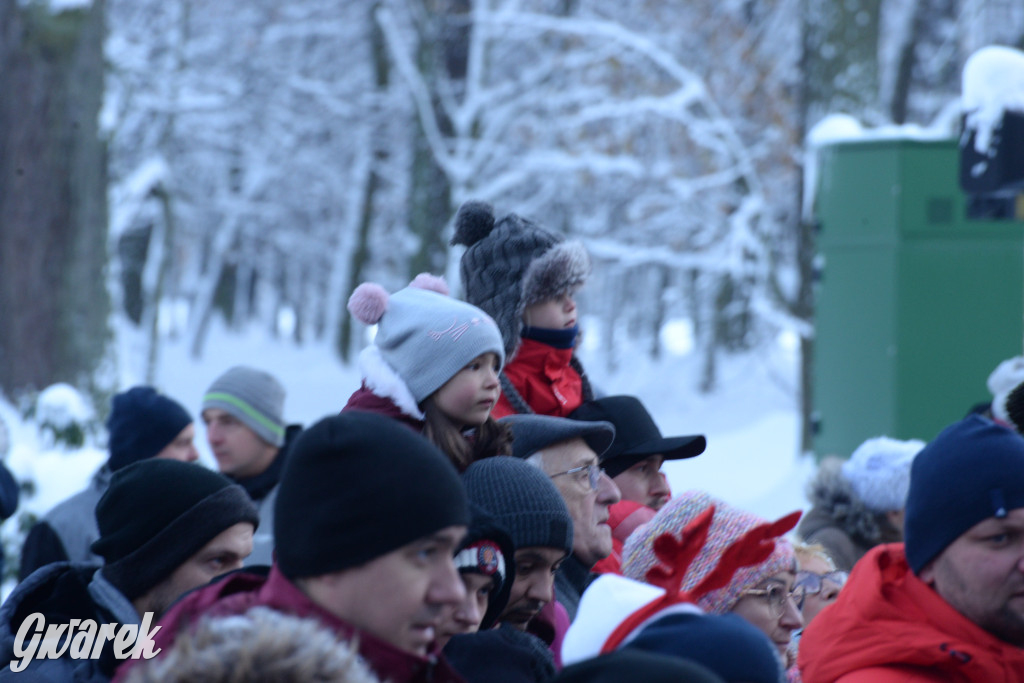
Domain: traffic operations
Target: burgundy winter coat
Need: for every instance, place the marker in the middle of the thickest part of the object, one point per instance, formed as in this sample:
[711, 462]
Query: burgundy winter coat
[241, 591]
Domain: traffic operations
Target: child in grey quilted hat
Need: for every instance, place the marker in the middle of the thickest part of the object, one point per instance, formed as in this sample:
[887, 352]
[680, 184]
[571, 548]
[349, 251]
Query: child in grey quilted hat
[525, 277]
[433, 365]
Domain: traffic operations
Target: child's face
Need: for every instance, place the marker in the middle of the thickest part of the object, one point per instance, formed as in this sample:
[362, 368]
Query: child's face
[553, 314]
[467, 398]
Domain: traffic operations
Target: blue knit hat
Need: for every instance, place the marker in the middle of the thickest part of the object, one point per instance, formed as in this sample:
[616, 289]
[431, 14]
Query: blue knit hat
[971, 471]
[142, 423]
[254, 397]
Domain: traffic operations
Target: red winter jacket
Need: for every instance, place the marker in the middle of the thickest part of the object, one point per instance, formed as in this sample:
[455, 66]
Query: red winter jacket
[544, 379]
[365, 400]
[238, 592]
[888, 626]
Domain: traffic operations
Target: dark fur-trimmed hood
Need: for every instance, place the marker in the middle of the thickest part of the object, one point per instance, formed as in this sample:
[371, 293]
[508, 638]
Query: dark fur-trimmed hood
[833, 498]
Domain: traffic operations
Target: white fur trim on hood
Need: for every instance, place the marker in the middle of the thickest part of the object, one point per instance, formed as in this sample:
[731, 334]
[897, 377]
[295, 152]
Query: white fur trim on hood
[381, 379]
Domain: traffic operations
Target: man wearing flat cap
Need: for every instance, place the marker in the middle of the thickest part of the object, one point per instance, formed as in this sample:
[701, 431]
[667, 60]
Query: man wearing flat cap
[568, 451]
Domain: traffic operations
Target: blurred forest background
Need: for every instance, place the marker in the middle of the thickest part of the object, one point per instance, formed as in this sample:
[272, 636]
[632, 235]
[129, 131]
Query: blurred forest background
[166, 161]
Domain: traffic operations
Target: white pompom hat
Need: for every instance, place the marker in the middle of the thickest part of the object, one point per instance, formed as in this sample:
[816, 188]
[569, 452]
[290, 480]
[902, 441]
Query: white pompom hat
[879, 472]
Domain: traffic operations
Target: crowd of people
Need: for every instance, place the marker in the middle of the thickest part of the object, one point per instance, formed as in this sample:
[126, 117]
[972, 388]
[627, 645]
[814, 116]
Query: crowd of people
[477, 511]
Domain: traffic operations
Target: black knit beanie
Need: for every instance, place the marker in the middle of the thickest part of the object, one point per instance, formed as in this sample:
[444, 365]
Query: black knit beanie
[142, 423]
[357, 486]
[522, 499]
[158, 513]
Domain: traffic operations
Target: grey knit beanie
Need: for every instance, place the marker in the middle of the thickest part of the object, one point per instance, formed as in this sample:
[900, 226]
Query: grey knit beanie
[513, 263]
[425, 335]
[522, 499]
[255, 397]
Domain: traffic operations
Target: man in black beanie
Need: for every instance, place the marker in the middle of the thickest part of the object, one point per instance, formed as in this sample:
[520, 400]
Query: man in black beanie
[143, 423]
[368, 518]
[947, 603]
[166, 527]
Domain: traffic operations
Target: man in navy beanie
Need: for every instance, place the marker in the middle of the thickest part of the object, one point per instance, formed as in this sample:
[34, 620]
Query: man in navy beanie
[368, 518]
[948, 603]
[143, 423]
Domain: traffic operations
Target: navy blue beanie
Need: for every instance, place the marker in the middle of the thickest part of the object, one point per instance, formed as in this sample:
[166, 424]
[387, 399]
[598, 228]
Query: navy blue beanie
[727, 644]
[142, 423]
[971, 471]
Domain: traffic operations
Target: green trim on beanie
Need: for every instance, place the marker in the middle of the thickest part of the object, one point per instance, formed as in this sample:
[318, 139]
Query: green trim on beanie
[251, 412]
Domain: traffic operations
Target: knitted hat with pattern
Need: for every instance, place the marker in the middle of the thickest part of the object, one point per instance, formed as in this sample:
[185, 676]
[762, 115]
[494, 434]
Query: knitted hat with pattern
[512, 263]
[252, 396]
[423, 334]
[522, 499]
[728, 525]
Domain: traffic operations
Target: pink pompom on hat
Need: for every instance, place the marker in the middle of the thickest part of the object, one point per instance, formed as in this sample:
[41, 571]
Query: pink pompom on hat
[424, 335]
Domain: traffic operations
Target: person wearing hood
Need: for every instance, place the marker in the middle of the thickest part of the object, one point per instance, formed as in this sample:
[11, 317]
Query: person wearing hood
[526, 277]
[858, 503]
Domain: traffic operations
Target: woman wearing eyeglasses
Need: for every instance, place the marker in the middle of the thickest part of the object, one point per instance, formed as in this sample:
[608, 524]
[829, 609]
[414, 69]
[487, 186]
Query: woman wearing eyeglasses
[817, 586]
[761, 593]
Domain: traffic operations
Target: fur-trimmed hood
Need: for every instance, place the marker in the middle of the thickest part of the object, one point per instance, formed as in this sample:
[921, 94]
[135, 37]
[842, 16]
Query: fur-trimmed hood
[512, 263]
[382, 380]
[836, 504]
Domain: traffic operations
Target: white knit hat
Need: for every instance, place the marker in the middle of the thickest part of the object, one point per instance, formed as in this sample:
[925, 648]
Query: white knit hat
[1004, 379]
[879, 472]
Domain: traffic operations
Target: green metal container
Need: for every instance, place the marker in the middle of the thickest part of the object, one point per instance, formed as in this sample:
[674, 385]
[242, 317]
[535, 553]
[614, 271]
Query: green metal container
[916, 304]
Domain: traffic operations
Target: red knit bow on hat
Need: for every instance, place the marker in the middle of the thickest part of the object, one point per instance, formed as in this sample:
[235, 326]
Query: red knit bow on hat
[676, 555]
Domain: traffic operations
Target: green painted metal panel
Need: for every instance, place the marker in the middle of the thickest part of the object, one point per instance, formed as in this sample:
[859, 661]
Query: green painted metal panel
[916, 304]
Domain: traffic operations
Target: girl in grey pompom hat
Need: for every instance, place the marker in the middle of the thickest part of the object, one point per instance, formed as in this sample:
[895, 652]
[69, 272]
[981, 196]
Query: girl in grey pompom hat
[433, 365]
[525, 277]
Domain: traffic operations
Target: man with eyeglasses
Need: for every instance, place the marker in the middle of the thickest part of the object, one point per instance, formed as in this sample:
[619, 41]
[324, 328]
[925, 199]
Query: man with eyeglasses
[568, 451]
[947, 604]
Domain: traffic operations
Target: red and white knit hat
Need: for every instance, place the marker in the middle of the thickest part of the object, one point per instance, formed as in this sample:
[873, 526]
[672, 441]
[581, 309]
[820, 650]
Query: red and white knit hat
[739, 550]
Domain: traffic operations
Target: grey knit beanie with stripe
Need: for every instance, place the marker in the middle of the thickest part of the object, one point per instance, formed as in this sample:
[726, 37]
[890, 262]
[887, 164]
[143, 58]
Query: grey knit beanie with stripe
[252, 396]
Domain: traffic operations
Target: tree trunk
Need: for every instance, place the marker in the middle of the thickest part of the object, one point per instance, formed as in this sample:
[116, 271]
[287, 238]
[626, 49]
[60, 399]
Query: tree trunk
[53, 212]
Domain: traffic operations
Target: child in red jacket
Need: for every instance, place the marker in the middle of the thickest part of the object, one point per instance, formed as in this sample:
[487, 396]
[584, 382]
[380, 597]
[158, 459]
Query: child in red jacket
[525, 277]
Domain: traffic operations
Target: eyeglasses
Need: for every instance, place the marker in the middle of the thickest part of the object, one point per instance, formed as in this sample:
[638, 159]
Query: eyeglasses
[776, 596]
[809, 583]
[594, 473]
